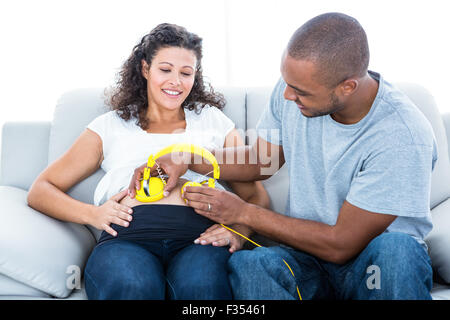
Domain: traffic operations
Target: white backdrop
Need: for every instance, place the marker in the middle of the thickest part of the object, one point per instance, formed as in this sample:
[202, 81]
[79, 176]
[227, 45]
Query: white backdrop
[48, 47]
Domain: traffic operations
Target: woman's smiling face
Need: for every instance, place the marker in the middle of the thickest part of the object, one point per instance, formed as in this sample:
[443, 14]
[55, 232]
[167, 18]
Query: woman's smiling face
[170, 77]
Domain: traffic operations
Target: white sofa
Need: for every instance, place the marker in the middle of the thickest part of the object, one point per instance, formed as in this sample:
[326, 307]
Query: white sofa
[43, 258]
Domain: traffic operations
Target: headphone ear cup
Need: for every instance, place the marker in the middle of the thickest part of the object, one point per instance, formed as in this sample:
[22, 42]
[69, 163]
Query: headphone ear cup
[189, 184]
[151, 191]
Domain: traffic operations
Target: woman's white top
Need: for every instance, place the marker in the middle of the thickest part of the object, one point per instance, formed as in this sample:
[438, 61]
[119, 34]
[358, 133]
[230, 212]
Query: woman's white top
[126, 146]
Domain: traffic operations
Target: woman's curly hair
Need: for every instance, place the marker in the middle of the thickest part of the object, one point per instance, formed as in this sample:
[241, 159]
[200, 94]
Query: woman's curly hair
[129, 96]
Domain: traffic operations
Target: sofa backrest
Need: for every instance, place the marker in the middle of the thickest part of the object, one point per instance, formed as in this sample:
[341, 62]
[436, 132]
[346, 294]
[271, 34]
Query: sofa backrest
[277, 186]
[73, 112]
[75, 109]
[24, 152]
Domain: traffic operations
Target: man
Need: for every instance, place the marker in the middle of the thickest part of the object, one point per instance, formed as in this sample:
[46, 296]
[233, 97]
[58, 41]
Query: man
[360, 157]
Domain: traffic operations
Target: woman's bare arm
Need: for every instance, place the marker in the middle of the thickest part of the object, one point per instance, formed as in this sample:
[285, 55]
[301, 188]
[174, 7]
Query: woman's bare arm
[48, 192]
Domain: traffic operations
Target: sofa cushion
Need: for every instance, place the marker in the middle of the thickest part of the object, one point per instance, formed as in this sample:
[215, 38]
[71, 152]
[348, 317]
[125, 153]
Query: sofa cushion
[257, 100]
[277, 185]
[21, 165]
[235, 107]
[446, 119]
[11, 287]
[74, 110]
[440, 292]
[438, 240]
[36, 249]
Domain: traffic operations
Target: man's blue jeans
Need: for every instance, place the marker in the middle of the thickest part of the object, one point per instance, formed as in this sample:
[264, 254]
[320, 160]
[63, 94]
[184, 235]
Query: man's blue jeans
[392, 266]
[124, 269]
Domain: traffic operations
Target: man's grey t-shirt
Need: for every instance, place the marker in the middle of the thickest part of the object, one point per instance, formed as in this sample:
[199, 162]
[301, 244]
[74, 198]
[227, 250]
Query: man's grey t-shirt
[381, 164]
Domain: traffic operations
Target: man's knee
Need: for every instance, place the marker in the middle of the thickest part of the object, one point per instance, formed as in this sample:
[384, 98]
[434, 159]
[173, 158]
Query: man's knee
[261, 273]
[259, 259]
[401, 264]
[395, 246]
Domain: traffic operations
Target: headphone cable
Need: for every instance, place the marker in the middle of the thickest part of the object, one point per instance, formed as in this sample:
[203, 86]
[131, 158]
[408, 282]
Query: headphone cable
[258, 245]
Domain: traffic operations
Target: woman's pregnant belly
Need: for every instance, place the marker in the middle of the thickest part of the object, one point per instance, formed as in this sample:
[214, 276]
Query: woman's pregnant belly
[168, 218]
[173, 198]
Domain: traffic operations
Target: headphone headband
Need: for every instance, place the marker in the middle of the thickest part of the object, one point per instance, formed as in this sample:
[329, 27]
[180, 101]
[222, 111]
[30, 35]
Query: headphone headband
[185, 147]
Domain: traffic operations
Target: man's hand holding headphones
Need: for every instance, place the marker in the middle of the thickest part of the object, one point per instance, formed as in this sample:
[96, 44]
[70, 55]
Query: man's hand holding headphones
[174, 165]
[218, 205]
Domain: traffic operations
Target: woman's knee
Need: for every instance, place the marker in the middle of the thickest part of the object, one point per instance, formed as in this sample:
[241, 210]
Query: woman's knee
[110, 258]
[198, 286]
[121, 270]
[199, 272]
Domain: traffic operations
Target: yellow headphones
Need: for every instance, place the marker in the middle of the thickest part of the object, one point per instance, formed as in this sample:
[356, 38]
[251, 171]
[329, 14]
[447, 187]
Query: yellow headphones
[152, 187]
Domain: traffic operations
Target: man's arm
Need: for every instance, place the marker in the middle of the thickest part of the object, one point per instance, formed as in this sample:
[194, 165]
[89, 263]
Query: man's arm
[245, 163]
[354, 229]
[237, 164]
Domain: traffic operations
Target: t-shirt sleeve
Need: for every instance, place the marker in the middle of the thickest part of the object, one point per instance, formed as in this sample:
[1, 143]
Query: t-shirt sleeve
[269, 126]
[102, 125]
[99, 125]
[395, 180]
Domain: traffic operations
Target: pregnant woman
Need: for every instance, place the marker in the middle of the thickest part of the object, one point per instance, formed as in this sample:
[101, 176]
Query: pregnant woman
[146, 249]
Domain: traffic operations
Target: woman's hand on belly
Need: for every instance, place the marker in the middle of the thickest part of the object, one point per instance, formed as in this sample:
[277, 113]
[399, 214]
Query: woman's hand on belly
[173, 198]
[112, 212]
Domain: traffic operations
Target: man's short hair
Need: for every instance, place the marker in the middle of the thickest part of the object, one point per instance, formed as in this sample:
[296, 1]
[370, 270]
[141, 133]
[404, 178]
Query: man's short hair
[336, 43]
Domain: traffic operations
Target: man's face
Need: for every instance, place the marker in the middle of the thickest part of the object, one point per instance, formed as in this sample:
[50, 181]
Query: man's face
[312, 98]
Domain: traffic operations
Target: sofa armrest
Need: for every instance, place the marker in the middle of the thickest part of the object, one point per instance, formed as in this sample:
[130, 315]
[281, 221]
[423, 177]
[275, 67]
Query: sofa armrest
[24, 152]
[438, 240]
[38, 250]
[446, 119]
